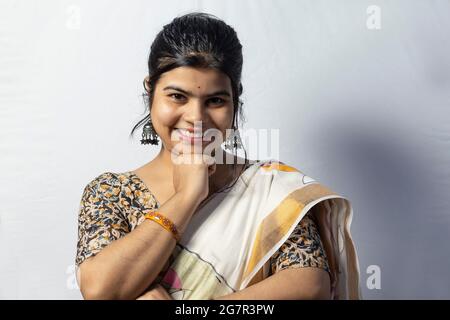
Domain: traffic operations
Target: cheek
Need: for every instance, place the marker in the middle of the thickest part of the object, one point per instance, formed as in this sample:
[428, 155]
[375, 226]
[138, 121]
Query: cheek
[165, 116]
[223, 118]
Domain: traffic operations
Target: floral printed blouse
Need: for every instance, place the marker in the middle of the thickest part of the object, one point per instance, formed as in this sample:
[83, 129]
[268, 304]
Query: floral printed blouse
[113, 204]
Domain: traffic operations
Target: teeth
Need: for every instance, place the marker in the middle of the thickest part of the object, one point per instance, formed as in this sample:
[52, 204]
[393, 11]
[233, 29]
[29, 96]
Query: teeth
[190, 135]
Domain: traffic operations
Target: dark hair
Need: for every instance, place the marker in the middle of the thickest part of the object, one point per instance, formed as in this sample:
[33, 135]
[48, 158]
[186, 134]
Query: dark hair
[200, 40]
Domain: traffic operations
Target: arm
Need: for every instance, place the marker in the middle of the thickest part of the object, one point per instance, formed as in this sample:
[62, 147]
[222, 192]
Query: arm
[128, 265]
[287, 284]
[299, 269]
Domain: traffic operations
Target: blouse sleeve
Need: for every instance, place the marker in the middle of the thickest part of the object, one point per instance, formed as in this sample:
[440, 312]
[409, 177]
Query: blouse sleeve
[302, 249]
[100, 220]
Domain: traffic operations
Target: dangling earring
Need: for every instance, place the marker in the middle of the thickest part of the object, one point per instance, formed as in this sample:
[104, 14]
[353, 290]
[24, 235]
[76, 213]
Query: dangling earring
[149, 134]
[234, 140]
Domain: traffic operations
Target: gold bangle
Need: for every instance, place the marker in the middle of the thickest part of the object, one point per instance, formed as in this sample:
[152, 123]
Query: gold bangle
[164, 222]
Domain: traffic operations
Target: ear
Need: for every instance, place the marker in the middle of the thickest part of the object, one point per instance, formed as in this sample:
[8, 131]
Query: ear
[147, 83]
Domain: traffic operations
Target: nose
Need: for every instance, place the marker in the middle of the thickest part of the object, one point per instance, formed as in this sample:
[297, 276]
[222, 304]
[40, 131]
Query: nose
[195, 112]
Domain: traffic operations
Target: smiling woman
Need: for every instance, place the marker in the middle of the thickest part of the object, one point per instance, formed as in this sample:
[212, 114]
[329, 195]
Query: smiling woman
[188, 99]
[198, 222]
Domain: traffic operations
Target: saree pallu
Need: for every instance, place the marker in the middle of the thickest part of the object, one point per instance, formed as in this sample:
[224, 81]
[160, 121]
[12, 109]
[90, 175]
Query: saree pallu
[229, 241]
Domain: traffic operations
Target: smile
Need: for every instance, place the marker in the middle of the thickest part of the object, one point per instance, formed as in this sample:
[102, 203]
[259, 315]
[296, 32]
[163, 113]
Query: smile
[188, 136]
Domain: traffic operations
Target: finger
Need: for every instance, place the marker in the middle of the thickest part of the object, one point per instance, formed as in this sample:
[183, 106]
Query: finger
[188, 147]
[177, 148]
[149, 295]
[211, 169]
[176, 154]
[207, 159]
[211, 162]
[162, 292]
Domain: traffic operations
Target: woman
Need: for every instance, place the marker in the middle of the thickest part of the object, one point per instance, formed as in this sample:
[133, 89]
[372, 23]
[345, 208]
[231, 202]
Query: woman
[191, 224]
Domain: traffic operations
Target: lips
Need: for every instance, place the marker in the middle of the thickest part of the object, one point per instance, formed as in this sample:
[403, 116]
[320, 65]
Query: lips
[191, 137]
[189, 133]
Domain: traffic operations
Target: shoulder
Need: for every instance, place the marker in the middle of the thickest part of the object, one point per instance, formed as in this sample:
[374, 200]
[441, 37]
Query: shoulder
[283, 178]
[280, 169]
[104, 181]
[274, 164]
[116, 185]
[107, 185]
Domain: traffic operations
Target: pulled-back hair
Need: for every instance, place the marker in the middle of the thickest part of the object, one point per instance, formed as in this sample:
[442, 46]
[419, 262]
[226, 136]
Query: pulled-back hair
[197, 40]
[200, 40]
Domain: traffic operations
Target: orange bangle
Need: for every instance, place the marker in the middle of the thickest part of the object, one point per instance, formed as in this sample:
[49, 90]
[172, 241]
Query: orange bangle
[164, 222]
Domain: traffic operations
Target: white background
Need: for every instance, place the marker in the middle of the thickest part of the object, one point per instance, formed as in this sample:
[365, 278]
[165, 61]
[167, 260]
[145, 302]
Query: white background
[364, 111]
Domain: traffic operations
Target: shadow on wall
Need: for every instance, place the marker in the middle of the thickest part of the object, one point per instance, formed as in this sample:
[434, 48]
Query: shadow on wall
[401, 220]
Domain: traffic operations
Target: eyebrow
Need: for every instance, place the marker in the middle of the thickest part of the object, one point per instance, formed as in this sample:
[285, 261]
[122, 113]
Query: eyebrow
[217, 93]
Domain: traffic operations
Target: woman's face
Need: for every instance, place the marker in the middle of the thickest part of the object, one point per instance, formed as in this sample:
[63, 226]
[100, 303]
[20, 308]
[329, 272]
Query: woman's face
[188, 98]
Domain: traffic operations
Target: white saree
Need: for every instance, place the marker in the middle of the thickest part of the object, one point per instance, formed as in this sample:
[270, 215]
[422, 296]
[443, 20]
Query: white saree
[229, 241]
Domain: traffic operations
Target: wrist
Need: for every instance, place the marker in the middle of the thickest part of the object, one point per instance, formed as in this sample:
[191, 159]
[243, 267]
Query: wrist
[188, 199]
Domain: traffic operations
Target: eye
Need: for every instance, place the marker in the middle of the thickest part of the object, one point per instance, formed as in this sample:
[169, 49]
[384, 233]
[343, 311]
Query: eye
[217, 100]
[176, 96]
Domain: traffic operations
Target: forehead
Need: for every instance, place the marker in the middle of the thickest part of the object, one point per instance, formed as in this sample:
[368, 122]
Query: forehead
[192, 78]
